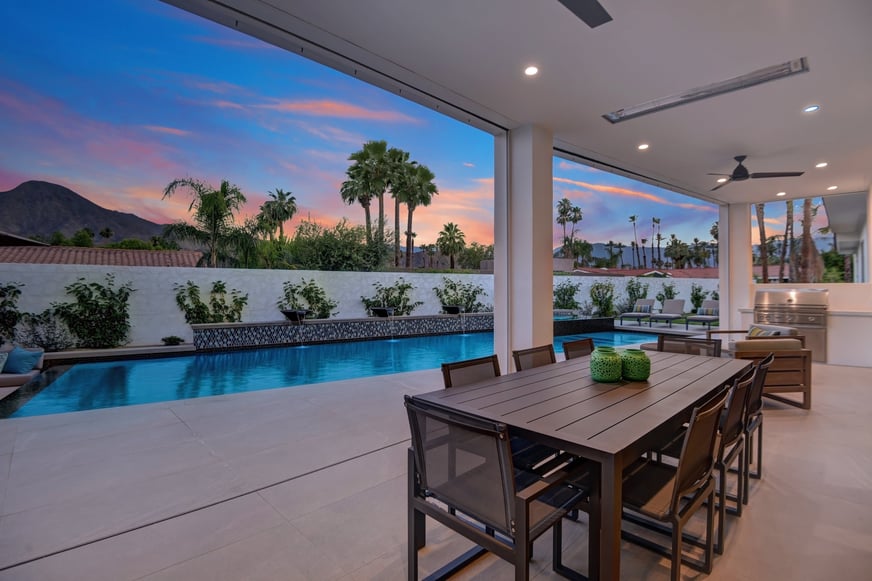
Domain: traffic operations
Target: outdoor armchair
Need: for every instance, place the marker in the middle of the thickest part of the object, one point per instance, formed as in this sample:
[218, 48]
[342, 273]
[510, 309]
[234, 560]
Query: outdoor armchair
[672, 309]
[790, 371]
[641, 310]
[707, 314]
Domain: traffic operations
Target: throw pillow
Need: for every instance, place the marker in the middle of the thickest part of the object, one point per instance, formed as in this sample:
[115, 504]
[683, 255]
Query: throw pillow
[3, 357]
[708, 312]
[644, 309]
[754, 331]
[770, 333]
[21, 360]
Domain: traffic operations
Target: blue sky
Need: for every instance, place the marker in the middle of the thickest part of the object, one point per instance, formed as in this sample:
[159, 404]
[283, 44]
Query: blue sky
[116, 99]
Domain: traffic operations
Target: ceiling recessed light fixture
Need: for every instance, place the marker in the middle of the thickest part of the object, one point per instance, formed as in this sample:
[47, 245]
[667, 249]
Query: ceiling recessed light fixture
[822, 164]
[721, 180]
[781, 194]
[763, 75]
[643, 146]
[531, 71]
[831, 188]
[812, 109]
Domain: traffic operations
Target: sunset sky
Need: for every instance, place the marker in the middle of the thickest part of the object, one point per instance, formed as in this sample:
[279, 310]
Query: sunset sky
[116, 99]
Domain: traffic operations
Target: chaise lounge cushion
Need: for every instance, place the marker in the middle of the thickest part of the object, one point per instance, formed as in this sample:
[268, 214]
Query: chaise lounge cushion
[25, 365]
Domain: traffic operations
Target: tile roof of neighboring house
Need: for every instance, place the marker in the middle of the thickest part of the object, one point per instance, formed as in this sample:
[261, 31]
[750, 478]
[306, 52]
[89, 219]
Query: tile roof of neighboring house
[665, 273]
[99, 256]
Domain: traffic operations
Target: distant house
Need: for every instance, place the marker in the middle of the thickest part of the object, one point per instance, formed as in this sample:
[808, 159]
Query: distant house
[100, 256]
[7, 239]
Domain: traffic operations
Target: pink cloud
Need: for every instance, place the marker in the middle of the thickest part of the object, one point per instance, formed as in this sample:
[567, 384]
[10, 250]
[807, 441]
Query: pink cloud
[604, 188]
[224, 104]
[332, 134]
[219, 87]
[338, 109]
[167, 130]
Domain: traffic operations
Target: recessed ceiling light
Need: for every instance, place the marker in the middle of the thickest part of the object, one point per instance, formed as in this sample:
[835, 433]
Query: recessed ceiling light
[812, 109]
[643, 146]
[531, 71]
[721, 180]
[781, 194]
[822, 164]
[831, 188]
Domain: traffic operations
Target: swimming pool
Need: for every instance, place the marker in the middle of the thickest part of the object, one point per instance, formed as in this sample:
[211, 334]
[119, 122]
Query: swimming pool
[88, 386]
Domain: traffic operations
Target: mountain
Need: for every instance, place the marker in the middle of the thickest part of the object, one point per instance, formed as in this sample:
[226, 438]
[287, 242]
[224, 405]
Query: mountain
[37, 208]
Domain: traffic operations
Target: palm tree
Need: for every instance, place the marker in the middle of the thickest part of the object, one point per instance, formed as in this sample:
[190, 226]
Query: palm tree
[369, 174]
[764, 254]
[620, 247]
[280, 208]
[575, 216]
[399, 175]
[644, 262]
[655, 223]
[635, 255]
[420, 193]
[214, 211]
[788, 236]
[610, 248]
[564, 209]
[106, 233]
[451, 241]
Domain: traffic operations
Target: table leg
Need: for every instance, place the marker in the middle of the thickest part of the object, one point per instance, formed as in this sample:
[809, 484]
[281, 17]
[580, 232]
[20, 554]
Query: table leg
[610, 520]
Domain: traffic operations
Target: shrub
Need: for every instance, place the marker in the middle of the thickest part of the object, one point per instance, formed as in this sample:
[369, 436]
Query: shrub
[697, 295]
[635, 290]
[602, 295]
[9, 315]
[217, 310]
[564, 295]
[172, 340]
[395, 296]
[666, 292]
[307, 295]
[45, 330]
[453, 292]
[99, 316]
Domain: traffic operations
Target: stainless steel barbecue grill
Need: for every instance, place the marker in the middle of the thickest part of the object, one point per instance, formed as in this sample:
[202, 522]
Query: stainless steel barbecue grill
[804, 309]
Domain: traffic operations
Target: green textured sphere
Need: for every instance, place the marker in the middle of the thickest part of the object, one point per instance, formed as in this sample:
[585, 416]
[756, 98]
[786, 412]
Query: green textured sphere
[605, 365]
[635, 365]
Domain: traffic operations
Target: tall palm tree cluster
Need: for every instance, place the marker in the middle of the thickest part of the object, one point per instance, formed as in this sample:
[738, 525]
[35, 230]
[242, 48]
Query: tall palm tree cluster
[678, 254]
[378, 170]
[798, 256]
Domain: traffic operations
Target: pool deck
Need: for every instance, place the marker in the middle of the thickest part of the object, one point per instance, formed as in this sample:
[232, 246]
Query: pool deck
[309, 483]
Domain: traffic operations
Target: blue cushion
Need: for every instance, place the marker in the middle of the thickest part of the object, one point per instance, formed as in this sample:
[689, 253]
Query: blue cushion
[704, 311]
[643, 309]
[21, 360]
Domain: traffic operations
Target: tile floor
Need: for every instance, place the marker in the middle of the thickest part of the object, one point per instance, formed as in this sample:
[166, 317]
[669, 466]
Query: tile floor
[308, 483]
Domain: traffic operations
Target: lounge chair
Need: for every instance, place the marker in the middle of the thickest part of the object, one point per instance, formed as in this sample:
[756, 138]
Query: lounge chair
[706, 314]
[672, 309]
[641, 310]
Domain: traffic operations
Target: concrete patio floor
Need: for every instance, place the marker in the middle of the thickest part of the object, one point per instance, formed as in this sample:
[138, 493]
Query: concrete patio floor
[309, 483]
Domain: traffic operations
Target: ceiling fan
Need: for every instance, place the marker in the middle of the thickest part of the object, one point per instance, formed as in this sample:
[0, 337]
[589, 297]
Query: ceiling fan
[741, 173]
[590, 11]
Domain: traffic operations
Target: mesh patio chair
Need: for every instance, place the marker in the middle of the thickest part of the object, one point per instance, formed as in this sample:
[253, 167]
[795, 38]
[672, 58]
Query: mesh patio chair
[672, 309]
[707, 314]
[526, 454]
[464, 463]
[534, 357]
[663, 493]
[672, 344]
[579, 348]
[641, 310]
[754, 422]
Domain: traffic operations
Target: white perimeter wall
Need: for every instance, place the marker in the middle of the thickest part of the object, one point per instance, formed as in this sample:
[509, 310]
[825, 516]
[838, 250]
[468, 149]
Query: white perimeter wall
[154, 313]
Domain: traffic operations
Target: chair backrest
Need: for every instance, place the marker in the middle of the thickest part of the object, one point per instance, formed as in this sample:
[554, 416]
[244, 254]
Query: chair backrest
[534, 357]
[470, 371]
[578, 348]
[733, 421]
[710, 304]
[673, 307]
[699, 449]
[643, 306]
[465, 462]
[673, 344]
[755, 395]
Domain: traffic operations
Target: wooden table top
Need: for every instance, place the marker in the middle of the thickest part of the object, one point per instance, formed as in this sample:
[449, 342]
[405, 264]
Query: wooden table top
[563, 403]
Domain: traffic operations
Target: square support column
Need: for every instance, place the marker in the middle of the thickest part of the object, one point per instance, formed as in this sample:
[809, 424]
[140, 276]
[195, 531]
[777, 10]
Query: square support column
[523, 231]
[736, 263]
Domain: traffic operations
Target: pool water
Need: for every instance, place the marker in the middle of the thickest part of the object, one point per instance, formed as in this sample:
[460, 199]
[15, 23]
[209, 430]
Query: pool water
[88, 386]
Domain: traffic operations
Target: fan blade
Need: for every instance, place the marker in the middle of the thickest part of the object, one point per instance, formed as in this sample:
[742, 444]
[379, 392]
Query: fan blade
[776, 174]
[719, 174]
[719, 186]
[590, 11]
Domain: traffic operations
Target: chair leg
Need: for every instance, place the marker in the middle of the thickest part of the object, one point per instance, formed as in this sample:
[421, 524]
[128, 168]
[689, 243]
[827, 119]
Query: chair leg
[709, 534]
[676, 550]
[722, 509]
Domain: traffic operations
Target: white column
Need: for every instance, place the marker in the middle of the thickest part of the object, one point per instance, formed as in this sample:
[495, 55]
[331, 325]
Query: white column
[523, 262]
[736, 263]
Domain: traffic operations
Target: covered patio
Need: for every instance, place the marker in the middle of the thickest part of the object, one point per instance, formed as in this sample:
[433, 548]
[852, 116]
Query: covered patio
[309, 483]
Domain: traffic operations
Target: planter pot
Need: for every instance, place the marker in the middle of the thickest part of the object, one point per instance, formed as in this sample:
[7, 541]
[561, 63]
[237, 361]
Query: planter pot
[635, 365]
[605, 365]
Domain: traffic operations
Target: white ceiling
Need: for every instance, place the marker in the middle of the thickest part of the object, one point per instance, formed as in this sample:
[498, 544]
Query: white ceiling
[466, 57]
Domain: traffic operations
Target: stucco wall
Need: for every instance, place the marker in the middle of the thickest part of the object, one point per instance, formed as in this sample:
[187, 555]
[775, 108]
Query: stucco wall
[154, 313]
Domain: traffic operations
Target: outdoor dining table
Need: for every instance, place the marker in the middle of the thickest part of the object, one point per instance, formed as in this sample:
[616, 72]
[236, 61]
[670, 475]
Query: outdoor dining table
[612, 424]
